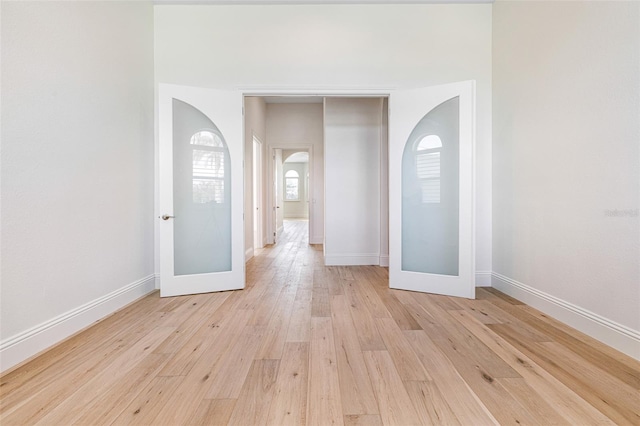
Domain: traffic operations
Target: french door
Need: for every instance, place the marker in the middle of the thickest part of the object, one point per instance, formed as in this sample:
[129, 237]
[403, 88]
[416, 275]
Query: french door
[431, 189]
[201, 190]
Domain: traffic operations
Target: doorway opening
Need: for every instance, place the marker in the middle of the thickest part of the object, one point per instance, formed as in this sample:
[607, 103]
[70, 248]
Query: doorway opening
[293, 193]
[295, 190]
[291, 131]
[325, 161]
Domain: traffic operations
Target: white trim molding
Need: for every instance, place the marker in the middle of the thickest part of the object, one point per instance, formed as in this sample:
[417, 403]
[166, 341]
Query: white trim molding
[316, 239]
[21, 347]
[352, 259]
[384, 260]
[618, 336]
[483, 278]
[248, 254]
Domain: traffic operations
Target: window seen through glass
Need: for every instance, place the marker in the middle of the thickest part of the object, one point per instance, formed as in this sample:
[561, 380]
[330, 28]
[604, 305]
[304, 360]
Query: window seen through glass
[291, 186]
[208, 167]
[428, 167]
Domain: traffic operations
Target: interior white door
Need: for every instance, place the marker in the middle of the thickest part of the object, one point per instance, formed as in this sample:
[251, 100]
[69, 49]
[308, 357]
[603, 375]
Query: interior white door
[273, 219]
[431, 189]
[201, 190]
[257, 194]
[279, 196]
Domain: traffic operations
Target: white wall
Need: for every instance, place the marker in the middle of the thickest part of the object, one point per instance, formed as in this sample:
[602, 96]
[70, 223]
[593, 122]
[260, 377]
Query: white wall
[77, 167]
[300, 125]
[337, 47]
[297, 209]
[352, 180]
[255, 112]
[566, 182]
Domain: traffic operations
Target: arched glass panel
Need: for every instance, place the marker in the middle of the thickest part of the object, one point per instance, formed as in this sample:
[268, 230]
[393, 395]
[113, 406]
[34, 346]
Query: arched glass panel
[430, 193]
[291, 173]
[201, 194]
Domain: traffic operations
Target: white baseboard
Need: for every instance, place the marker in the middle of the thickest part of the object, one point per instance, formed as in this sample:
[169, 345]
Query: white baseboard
[616, 335]
[21, 347]
[384, 260]
[483, 278]
[316, 239]
[248, 254]
[352, 259]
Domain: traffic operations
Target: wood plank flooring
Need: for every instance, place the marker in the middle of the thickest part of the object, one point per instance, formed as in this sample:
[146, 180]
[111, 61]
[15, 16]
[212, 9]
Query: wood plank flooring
[309, 344]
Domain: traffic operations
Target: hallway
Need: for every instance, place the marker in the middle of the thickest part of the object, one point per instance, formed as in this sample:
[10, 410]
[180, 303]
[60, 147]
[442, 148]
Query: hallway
[309, 344]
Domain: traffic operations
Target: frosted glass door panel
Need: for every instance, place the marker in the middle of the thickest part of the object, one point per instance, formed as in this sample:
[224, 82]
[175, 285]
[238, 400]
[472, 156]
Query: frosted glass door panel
[430, 193]
[200, 217]
[431, 189]
[201, 194]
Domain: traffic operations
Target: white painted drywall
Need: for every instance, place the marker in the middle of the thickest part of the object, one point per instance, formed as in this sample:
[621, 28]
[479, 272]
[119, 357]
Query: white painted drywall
[352, 143]
[255, 112]
[566, 155]
[297, 209]
[337, 46]
[300, 125]
[77, 164]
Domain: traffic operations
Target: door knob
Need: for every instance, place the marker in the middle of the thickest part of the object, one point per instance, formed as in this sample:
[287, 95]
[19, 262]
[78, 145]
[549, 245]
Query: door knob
[166, 217]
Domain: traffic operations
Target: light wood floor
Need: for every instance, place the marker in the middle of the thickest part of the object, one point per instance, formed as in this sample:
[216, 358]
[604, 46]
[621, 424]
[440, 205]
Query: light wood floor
[308, 344]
